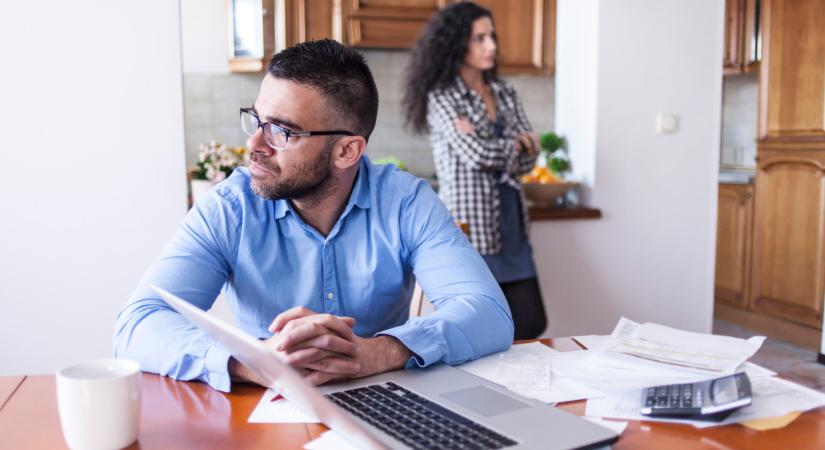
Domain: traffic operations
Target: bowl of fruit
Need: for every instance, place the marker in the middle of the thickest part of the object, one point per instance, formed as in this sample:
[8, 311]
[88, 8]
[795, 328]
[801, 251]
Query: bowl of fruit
[542, 188]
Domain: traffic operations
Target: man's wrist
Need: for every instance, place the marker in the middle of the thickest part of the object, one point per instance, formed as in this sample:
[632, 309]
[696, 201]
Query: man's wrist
[396, 354]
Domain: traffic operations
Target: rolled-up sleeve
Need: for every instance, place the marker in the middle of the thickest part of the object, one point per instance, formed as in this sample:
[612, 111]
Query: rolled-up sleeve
[193, 265]
[472, 318]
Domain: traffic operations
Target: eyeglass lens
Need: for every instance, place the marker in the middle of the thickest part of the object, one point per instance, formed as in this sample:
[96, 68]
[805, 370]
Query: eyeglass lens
[275, 137]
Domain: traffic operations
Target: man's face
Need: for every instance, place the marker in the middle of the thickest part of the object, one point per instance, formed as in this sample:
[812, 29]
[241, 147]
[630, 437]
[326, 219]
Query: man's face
[304, 169]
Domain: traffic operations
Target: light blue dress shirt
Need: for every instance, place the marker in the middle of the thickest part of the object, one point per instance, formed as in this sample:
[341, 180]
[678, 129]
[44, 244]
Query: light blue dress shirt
[393, 230]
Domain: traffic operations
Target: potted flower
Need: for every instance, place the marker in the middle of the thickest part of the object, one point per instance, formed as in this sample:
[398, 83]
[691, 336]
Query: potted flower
[215, 163]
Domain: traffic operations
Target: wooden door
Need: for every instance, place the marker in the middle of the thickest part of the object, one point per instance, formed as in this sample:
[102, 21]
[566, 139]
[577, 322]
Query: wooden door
[527, 34]
[788, 251]
[792, 74]
[732, 56]
[733, 243]
[306, 20]
[389, 23]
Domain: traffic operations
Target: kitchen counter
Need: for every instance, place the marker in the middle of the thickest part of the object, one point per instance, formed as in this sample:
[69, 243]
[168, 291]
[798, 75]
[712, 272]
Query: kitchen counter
[736, 177]
[562, 213]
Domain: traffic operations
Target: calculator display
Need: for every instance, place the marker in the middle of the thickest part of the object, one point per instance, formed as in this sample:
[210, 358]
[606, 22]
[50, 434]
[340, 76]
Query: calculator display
[724, 391]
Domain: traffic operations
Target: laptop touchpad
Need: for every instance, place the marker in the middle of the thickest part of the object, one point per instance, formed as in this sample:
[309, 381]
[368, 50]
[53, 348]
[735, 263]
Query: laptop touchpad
[485, 401]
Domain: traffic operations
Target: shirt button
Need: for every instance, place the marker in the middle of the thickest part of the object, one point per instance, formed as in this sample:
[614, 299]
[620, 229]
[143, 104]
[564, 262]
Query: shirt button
[329, 295]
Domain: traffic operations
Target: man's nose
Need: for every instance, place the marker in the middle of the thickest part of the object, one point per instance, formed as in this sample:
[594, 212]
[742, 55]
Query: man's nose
[257, 143]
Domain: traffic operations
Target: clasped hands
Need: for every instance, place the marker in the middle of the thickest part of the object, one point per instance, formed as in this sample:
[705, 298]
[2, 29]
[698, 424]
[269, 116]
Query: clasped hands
[324, 348]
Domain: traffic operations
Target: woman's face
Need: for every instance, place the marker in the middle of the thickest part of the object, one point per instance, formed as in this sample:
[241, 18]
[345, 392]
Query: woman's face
[481, 50]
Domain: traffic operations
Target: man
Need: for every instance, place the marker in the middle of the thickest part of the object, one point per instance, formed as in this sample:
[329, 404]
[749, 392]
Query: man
[316, 249]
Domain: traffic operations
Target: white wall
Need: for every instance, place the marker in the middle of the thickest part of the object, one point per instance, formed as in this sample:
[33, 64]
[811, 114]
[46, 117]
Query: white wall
[91, 125]
[204, 28]
[651, 257]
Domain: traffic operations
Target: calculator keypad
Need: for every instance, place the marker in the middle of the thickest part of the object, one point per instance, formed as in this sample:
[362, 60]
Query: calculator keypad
[673, 396]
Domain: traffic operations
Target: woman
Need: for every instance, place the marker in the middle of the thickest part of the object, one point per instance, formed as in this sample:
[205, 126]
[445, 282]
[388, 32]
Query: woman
[482, 144]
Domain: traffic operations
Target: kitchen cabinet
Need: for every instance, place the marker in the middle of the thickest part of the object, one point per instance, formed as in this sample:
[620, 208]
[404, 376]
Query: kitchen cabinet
[733, 244]
[304, 20]
[251, 34]
[789, 235]
[743, 36]
[389, 23]
[732, 56]
[792, 75]
[527, 34]
[787, 264]
[526, 29]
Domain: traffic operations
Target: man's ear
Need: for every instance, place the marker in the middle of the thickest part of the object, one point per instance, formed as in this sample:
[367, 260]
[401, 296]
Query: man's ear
[348, 151]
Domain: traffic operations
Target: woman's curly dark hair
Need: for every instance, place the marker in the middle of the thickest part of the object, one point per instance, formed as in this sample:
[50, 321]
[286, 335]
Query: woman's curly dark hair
[437, 57]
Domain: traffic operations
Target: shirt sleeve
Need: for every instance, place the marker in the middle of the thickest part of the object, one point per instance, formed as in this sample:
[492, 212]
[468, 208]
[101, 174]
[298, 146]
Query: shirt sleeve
[472, 318]
[475, 152]
[193, 265]
[524, 162]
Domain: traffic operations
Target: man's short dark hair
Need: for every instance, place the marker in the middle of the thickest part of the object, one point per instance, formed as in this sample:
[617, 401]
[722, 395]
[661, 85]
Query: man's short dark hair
[341, 74]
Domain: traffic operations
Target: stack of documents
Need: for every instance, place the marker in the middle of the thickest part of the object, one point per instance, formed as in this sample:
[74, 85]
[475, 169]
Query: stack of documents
[719, 354]
[635, 356]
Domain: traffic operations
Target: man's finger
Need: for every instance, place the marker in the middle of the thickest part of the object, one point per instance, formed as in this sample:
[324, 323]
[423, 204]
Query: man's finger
[319, 378]
[344, 367]
[288, 340]
[290, 314]
[327, 342]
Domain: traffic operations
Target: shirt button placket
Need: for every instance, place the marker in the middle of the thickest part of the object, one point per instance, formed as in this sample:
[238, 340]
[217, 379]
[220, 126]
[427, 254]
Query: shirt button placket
[330, 305]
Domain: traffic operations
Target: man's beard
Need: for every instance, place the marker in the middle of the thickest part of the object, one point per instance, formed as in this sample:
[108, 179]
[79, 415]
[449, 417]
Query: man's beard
[311, 179]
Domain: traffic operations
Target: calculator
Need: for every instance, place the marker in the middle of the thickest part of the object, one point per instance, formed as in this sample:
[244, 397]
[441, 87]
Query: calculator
[704, 400]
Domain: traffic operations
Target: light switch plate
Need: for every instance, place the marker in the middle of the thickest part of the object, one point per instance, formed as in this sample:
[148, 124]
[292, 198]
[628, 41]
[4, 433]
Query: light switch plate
[667, 123]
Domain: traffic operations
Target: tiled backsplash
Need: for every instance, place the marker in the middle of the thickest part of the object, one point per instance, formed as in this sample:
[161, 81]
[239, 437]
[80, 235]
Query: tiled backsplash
[739, 116]
[212, 102]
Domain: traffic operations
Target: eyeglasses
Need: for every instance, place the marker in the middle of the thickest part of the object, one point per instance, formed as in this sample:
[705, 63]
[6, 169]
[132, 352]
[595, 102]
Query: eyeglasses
[275, 135]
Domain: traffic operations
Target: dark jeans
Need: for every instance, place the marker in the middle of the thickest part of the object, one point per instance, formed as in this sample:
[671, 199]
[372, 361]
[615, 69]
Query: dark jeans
[524, 298]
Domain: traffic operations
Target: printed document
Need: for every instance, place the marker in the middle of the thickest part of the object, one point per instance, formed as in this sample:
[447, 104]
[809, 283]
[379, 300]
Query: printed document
[718, 354]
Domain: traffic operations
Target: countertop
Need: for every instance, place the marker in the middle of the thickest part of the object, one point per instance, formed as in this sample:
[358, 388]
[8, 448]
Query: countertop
[563, 213]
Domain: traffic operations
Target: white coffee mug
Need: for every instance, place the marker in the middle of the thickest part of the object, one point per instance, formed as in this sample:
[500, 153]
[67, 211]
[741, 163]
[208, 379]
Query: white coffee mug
[99, 403]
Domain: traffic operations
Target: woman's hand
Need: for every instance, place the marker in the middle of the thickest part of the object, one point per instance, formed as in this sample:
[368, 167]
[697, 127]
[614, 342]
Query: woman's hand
[463, 125]
[527, 143]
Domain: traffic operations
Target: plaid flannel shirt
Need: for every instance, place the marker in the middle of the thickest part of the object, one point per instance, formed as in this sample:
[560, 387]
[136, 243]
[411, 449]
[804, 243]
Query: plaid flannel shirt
[470, 166]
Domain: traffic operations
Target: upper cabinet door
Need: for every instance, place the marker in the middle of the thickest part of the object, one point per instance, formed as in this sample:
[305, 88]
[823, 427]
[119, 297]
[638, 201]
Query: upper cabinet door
[389, 23]
[526, 33]
[732, 57]
[792, 73]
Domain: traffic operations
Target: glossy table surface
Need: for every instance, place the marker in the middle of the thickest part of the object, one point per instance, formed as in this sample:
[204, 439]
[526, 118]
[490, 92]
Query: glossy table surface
[190, 415]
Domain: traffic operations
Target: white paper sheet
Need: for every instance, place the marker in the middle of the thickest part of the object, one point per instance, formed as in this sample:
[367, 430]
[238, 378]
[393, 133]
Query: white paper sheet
[278, 410]
[330, 440]
[561, 389]
[591, 341]
[720, 354]
[616, 372]
[772, 397]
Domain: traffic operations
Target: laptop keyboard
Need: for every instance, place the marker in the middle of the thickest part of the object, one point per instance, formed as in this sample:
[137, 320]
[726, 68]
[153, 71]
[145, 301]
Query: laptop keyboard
[416, 421]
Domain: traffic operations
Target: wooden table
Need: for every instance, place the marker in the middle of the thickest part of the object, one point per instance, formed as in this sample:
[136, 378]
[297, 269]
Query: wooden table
[193, 416]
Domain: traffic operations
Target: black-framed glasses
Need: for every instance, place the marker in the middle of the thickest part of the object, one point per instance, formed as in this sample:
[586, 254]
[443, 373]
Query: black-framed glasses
[275, 135]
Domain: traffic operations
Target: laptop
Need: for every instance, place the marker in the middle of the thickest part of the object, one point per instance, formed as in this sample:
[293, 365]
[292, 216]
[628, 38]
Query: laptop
[436, 407]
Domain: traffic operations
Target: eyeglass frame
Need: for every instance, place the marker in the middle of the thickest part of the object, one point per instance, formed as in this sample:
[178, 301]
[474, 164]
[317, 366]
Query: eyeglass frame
[286, 132]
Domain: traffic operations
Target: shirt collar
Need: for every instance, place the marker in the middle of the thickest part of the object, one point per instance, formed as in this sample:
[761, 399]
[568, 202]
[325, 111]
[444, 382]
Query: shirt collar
[359, 197]
[464, 90]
